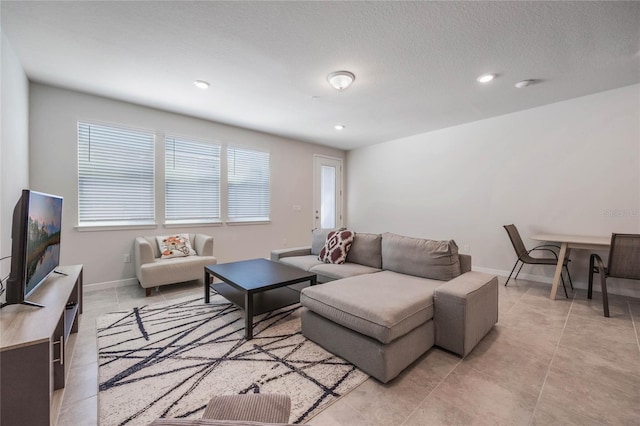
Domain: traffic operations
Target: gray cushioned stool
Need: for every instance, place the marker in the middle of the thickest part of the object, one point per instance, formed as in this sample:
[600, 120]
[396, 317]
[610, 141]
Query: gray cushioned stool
[254, 407]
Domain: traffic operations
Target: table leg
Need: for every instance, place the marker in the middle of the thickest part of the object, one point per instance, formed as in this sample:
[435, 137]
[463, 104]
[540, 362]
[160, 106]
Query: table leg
[207, 289]
[313, 280]
[556, 276]
[248, 316]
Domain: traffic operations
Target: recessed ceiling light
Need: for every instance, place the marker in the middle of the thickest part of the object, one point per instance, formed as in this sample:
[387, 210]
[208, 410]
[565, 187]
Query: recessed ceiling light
[340, 80]
[339, 126]
[201, 84]
[485, 78]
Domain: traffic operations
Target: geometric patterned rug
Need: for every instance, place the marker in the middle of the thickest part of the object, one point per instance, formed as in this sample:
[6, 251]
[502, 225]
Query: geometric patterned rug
[168, 360]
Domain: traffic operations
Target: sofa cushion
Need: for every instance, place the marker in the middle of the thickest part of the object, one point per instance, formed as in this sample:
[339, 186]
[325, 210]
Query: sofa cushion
[366, 250]
[302, 262]
[344, 270]
[437, 260]
[384, 305]
[336, 247]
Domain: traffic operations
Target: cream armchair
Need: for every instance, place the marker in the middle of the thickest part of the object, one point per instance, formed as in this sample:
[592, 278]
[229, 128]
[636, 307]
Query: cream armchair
[153, 271]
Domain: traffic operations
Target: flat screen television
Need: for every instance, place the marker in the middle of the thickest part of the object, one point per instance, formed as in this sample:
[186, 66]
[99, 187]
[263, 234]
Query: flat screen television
[35, 246]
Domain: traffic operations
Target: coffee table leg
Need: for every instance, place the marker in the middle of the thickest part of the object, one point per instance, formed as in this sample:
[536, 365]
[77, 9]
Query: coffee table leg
[207, 290]
[248, 316]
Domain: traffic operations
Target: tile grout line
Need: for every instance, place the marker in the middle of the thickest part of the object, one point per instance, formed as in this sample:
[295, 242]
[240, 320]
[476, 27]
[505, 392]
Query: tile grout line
[546, 376]
[456, 366]
[432, 391]
[517, 301]
[117, 300]
[633, 322]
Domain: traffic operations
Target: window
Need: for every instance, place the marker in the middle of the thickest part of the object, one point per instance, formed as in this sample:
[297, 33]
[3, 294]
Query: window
[115, 176]
[192, 181]
[328, 197]
[248, 187]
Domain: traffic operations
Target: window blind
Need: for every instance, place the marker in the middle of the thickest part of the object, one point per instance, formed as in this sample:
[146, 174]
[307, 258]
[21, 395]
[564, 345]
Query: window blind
[248, 185]
[192, 181]
[115, 176]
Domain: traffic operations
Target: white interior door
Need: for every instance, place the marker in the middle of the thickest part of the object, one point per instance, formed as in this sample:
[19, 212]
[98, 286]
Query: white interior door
[327, 192]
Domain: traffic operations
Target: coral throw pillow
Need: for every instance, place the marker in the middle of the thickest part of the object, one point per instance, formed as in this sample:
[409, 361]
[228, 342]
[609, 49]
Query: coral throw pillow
[175, 246]
[336, 247]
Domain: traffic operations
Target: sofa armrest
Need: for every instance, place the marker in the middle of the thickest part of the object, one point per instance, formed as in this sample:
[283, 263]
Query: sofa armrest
[203, 244]
[465, 309]
[276, 255]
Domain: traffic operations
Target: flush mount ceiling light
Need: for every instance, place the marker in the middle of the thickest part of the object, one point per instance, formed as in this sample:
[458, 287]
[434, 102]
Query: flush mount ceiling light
[201, 84]
[524, 83]
[341, 79]
[485, 78]
[339, 126]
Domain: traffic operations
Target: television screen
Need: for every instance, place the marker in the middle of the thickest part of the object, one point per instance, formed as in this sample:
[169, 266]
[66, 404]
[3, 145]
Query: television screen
[43, 238]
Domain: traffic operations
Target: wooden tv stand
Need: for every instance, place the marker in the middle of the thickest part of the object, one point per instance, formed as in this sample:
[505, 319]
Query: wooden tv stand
[33, 359]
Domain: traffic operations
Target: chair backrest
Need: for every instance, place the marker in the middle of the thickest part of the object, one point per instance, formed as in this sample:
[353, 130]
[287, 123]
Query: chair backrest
[516, 240]
[624, 256]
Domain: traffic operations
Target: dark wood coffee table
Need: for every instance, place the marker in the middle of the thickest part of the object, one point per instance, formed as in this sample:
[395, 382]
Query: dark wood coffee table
[257, 286]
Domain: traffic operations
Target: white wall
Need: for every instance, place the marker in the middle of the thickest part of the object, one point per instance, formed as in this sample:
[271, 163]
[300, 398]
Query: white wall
[54, 114]
[14, 143]
[569, 167]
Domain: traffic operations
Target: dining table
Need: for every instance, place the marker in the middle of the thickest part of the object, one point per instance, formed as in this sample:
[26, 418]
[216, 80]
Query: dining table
[568, 242]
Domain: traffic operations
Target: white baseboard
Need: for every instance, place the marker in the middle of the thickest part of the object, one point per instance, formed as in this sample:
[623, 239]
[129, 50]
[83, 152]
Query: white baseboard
[582, 285]
[502, 273]
[110, 284]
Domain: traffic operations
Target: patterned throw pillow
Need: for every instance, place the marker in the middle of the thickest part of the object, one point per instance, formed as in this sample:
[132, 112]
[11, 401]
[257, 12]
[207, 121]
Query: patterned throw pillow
[336, 247]
[175, 246]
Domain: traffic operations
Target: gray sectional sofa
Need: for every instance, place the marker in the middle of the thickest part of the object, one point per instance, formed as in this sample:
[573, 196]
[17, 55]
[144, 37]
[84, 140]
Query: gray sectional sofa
[393, 299]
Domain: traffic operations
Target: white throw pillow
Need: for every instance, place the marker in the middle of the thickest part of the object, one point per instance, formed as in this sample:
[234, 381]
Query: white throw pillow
[175, 246]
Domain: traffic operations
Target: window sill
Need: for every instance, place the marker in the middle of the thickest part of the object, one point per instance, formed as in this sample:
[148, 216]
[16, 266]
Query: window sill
[115, 227]
[234, 222]
[192, 224]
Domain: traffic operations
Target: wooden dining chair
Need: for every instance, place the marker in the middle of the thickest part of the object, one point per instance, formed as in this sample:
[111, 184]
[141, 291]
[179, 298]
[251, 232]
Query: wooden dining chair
[526, 258]
[624, 262]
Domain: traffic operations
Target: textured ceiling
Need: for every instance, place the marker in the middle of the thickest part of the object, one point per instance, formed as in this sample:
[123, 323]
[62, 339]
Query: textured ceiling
[415, 63]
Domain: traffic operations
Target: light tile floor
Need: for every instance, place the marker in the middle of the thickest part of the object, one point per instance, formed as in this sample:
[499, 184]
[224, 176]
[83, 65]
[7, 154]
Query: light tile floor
[545, 362]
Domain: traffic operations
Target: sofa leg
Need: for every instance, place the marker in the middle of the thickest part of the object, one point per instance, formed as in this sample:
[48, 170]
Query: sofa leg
[147, 291]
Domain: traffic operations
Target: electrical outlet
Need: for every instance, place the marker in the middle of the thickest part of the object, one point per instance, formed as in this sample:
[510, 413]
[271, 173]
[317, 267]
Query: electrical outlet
[126, 258]
[466, 248]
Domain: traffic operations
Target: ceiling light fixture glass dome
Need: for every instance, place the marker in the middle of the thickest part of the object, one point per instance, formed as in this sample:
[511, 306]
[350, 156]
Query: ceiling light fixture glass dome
[485, 78]
[340, 80]
[201, 84]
